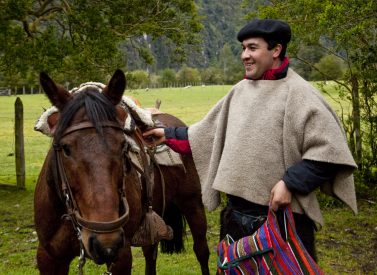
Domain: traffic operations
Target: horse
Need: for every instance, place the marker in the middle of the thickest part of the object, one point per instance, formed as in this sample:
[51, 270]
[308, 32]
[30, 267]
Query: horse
[89, 197]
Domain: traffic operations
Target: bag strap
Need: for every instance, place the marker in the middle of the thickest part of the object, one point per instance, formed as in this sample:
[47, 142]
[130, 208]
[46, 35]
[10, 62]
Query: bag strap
[288, 216]
[289, 224]
[305, 261]
[236, 262]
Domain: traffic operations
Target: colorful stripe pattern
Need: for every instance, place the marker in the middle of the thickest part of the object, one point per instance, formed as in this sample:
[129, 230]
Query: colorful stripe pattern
[266, 252]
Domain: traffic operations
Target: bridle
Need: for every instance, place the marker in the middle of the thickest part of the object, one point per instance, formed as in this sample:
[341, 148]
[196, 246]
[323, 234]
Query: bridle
[65, 191]
[72, 207]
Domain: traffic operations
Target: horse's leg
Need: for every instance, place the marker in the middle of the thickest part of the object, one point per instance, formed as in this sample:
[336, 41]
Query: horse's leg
[196, 219]
[48, 265]
[123, 265]
[150, 255]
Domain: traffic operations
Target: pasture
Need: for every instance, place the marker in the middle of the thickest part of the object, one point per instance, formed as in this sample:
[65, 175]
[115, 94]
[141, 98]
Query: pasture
[347, 244]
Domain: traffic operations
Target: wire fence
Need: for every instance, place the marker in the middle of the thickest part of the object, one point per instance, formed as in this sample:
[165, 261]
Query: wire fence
[189, 103]
[20, 90]
[36, 89]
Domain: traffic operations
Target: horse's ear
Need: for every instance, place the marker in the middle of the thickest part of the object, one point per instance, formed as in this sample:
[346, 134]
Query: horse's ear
[115, 89]
[57, 95]
[52, 121]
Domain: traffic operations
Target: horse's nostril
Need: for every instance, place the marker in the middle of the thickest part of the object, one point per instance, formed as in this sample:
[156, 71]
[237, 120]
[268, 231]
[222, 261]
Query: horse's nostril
[109, 254]
[104, 253]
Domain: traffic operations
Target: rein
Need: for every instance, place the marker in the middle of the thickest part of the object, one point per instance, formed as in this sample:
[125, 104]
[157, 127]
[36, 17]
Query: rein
[66, 192]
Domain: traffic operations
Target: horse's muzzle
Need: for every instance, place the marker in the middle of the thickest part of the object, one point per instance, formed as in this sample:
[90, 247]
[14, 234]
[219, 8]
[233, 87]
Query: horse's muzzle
[104, 249]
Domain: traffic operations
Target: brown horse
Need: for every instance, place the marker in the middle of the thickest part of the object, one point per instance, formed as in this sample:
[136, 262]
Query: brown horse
[89, 196]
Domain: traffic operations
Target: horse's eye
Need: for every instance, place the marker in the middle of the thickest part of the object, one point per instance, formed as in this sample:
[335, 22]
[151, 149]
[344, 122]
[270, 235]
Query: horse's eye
[66, 150]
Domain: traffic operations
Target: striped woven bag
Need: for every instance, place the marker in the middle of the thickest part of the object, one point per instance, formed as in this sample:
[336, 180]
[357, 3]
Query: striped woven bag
[266, 252]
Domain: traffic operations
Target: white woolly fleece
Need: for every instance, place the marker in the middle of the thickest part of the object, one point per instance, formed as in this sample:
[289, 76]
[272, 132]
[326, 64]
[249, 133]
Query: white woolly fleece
[144, 115]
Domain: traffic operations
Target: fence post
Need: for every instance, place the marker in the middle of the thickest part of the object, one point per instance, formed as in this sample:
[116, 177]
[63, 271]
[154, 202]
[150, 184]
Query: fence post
[19, 143]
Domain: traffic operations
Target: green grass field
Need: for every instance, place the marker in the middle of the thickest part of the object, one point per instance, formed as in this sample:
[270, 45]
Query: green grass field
[347, 244]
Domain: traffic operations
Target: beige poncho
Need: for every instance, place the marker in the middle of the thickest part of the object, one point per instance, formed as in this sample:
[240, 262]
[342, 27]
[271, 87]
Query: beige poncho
[259, 129]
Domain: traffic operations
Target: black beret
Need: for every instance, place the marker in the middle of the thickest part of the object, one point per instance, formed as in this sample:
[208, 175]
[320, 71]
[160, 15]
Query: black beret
[271, 29]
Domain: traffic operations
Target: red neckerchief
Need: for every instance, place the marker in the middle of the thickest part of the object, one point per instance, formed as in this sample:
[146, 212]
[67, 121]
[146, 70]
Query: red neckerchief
[277, 73]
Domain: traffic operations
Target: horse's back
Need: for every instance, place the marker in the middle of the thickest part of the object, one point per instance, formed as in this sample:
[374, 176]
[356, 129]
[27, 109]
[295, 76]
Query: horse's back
[168, 120]
[186, 178]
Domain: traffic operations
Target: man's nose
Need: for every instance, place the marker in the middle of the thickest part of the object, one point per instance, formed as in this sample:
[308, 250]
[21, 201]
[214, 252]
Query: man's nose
[245, 55]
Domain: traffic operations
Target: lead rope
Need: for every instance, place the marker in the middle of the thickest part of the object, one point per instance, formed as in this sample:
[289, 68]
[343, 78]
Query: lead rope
[152, 152]
[148, 167]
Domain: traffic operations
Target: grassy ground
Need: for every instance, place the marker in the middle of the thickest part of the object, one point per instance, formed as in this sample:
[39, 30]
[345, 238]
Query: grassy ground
[347, 244]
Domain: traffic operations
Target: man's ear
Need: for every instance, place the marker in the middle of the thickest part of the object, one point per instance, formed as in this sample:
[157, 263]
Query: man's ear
[277, 50]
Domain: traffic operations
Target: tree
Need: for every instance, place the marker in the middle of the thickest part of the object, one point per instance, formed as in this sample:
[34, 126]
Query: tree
[230, 65]
[346, 29]
[328, 67]
[212, 75]
[188, 75]
[81, 39]
[312, 56]
[167, 77]
[137, 79]
[222, 20]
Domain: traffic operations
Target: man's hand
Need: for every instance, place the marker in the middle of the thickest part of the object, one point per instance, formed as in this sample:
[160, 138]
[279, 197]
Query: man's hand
[155, 136]
[280, 196]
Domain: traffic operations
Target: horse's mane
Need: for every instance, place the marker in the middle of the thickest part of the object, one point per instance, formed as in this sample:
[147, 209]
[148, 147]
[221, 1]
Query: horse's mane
[98, 109]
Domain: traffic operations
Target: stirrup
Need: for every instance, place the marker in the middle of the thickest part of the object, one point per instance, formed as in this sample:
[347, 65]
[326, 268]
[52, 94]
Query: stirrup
[152, 230]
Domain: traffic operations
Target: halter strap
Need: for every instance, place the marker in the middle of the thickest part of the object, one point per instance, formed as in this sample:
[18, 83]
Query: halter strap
[87, 125]
[104, 227]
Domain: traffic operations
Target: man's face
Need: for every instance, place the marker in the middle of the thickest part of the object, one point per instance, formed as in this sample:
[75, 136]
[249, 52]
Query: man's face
[256, 57]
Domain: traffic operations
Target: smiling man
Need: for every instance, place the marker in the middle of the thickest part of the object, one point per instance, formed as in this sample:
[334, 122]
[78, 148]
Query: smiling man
[271, 141]
[264, 44]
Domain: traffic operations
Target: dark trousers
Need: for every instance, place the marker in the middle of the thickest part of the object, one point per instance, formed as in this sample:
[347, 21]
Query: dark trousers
[242, 218]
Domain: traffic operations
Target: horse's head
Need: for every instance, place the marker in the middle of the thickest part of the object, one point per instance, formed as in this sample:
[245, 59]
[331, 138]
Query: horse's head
[89, 147]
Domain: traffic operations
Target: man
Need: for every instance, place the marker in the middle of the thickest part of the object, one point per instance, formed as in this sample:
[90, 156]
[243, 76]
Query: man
[271, 141]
